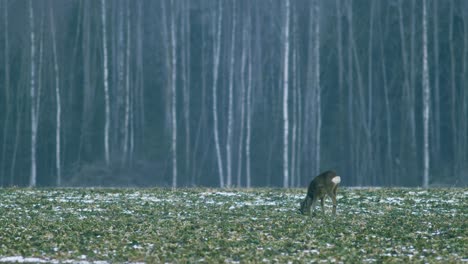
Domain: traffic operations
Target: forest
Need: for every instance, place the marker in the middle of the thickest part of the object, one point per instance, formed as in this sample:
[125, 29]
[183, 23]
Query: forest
[233, 93]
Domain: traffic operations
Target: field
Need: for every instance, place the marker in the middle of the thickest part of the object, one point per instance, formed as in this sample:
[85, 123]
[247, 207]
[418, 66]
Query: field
[213, 225]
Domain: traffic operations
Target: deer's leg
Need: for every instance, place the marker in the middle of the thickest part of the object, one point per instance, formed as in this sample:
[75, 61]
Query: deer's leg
[321, 203]
[313, 205]
[306, 204]
[333, 196]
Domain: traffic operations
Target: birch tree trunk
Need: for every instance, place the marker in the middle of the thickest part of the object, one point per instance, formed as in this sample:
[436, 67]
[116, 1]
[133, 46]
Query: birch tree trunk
[370, 97]
[126, 143]
[242, 106]
[341, 91]
[464, 107]
[426, 99]
[174, 97]
[58, 101]
[186, 84]
[436, 116]
[388, 113]
[84, 142]
[453, 94]
[202, 120]
[118, 98]
[33, 97]
[230, 101]
[8, 105]
[351, 136]
[249, 118]
[406, 98]
[294, 120]
[139, 94]
[216, 55]
[285, 99]
[19, 107]
[412, 88]
[318, 102]
[106, 83]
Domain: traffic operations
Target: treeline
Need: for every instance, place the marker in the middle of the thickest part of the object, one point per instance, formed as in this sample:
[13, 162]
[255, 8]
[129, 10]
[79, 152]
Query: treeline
[233, 93]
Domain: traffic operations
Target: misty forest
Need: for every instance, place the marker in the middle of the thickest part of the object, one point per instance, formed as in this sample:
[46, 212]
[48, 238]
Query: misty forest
[233, 93]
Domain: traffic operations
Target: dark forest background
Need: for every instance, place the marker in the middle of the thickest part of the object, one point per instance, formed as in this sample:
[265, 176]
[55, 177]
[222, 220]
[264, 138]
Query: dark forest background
[199, 86]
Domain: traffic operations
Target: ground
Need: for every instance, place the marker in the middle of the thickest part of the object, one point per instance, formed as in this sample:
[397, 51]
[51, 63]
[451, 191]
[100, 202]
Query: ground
[213, 225]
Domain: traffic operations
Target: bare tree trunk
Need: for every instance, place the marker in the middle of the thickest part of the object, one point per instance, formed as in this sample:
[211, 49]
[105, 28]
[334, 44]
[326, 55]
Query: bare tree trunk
[310, 100]
[294, 120]
[370, 98]
[186, 82]
[436, 127]
[230, 101]
[216, 55]
[285, 99]
[453, 98]
[362, 168]
[7, 93]
[34, 99]
[249, 118]
[318, 102]
[426, 99]
[58, 101]
[106, 82]
[87, 89]
[174, 96]
[118, 97]
[406, 89]
[242, 102]
[202, 120]
[351, 136]
[126, 142]
[388, 112]
[139, 100]
[464, 107]
[341, 91]
[412, 90]
[18, 127]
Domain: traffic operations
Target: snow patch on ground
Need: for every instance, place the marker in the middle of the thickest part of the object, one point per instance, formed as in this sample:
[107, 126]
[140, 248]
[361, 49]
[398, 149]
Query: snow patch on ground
[21, 259]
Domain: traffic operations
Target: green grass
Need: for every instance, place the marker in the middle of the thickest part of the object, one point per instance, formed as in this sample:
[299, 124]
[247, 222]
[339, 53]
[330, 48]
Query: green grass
[212, 225]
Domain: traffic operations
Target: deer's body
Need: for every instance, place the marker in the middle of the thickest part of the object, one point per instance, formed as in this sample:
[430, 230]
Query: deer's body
[324, 184]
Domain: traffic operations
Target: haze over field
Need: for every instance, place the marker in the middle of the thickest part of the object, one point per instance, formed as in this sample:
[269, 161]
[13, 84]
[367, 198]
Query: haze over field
[233, 93]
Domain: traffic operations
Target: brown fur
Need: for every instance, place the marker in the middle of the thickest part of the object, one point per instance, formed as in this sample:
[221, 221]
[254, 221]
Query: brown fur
[319, 187]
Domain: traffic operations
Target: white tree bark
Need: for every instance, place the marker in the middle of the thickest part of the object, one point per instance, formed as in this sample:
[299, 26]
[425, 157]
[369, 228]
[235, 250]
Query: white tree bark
[426, 99]
[285, 99]
[216, 55]
[318, 102]
[106, 83]
[242, 107]
[186, 84]
[249, 122]
[295, 102]
[8, 104]
[435, 147]
[127, 94]
[32, 179]
[58, 102]
[388, 112]
[173, 97]
[230, 101]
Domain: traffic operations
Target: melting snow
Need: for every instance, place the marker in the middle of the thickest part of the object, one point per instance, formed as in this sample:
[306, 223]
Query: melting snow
[21, 259]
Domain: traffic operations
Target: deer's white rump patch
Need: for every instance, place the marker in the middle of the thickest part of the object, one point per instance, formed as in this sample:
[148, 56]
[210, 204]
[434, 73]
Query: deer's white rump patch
[336, 179]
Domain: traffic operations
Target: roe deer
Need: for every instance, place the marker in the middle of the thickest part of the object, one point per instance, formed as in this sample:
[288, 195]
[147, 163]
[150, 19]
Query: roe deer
[325, 183]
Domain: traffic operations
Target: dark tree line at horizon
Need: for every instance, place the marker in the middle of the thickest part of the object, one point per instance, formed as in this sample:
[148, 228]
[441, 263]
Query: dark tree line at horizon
[233, 93]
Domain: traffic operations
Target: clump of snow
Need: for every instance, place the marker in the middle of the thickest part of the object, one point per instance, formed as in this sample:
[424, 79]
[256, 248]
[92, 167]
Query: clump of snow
[21, 259]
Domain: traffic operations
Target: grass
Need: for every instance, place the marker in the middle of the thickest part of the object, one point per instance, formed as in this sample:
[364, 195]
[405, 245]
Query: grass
[212, 225]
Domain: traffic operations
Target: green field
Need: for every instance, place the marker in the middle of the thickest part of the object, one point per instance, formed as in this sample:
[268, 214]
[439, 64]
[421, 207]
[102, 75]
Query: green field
[213, 225]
